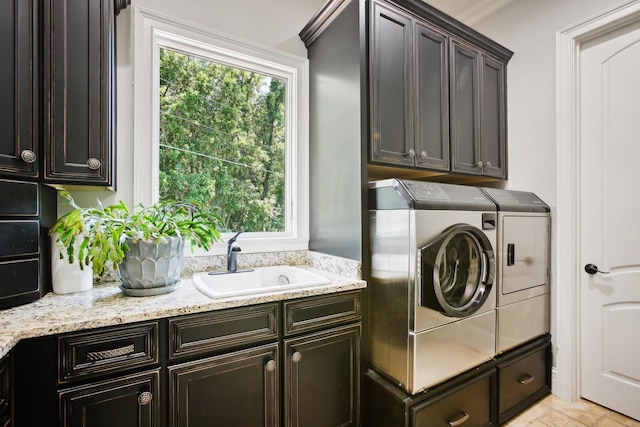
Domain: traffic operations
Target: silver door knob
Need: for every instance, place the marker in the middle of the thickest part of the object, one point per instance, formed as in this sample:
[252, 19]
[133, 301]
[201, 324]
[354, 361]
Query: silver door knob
[145, 398]
[296, 357]
[28, 156]
[412, 153]
[488, 164]
[479, 164]
[93, 163]
[423, 155]
[270, 366]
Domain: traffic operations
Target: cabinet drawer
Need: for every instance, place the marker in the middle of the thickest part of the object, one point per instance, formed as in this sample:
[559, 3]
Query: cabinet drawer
[19, 238]
[19, 279]
[96, 353]
[221, 330]
[522, 381]
[309, 314]
[18, 198]
[468, 404]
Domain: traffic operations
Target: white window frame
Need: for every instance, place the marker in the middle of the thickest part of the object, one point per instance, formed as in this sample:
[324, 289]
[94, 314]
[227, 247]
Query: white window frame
[153, 31]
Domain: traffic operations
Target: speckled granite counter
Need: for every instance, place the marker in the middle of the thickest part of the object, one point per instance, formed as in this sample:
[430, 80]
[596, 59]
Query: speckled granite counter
[104, 304]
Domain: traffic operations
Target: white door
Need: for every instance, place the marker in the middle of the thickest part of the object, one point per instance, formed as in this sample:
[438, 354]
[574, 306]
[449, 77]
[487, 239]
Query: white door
[610, 219]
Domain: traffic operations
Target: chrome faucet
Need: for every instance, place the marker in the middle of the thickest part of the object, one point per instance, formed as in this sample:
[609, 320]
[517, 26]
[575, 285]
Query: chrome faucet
[232, 253]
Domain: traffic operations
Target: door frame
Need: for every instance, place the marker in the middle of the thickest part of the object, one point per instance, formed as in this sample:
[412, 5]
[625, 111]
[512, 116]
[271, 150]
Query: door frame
[566, 382]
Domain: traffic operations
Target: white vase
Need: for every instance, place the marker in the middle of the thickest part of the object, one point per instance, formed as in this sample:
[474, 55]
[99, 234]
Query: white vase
[68, 278]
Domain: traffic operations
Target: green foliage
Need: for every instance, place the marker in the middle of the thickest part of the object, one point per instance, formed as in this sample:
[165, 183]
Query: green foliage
[99, 235]
[222, 141]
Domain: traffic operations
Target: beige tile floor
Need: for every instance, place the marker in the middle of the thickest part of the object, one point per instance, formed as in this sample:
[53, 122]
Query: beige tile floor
[554, 412]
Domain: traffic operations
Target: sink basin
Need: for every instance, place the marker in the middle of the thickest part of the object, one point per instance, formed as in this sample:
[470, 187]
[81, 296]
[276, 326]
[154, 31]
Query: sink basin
[256, 281]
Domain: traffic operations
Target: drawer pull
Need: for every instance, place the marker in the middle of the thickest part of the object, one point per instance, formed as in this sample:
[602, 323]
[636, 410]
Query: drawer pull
[462, 418]
[95, 356]
[526, 379]
[296, 357]
[271, 365]
[145, 398]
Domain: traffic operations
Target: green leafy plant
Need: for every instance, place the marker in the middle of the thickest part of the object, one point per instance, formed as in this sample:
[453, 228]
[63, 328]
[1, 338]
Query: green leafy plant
[98, 236]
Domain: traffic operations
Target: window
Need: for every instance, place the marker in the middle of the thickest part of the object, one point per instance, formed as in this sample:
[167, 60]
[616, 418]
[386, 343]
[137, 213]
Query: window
[223, 123]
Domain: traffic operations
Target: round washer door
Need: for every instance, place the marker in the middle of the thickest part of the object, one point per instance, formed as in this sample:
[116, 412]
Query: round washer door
[457, 271]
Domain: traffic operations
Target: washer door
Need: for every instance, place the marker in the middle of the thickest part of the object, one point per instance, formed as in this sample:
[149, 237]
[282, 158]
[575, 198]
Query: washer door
[456, 271]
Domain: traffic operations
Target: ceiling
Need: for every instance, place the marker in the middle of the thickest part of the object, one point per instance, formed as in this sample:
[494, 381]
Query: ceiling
[468, 11]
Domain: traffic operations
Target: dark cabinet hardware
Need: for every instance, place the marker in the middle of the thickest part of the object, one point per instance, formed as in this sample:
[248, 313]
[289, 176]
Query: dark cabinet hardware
[511, 254]
[526, 379]
[110, 354]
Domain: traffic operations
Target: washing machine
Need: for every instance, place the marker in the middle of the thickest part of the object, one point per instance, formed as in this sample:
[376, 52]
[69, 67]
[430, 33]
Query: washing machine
[523, 264]
[431, 286]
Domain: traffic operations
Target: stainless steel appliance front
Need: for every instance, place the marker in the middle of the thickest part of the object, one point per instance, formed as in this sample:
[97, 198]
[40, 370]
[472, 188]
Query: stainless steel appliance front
[432, 306]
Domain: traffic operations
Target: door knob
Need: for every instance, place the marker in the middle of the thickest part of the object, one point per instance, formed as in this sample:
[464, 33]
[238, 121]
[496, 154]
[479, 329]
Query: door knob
[593, 269]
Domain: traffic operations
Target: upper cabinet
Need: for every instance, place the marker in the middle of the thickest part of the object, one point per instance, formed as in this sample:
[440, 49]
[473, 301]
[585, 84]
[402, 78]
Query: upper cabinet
[19, 86]
[434, 89]
[59, 123]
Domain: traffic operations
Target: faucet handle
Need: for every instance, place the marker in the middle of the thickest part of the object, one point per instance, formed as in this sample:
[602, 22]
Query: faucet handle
[233, 239]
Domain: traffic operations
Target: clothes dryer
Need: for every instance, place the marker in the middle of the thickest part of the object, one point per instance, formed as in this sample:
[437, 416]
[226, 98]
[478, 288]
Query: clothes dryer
[432, 297]
[523, 256]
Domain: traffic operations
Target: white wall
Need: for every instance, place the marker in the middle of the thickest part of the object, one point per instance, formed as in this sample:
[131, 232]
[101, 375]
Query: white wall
[529, 27]
[273, 23]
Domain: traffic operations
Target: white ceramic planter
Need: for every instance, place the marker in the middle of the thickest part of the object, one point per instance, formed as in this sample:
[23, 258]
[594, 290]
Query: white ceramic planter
[68, 278]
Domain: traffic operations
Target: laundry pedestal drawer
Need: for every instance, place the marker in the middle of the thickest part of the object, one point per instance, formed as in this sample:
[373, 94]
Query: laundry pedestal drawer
[523, 377]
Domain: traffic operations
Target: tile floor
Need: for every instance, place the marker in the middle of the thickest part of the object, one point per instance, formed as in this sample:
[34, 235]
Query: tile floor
[554, 412]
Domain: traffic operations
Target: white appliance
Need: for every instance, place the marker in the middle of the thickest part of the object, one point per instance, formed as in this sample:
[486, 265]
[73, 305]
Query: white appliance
[432, 298]
[523, 254]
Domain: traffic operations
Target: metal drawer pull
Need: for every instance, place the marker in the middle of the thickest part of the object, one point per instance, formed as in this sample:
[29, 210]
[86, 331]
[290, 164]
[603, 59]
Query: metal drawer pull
[526, 379]
[271, 365]
[464, 417]
[295, 357]
[145, 398]
[95, 356]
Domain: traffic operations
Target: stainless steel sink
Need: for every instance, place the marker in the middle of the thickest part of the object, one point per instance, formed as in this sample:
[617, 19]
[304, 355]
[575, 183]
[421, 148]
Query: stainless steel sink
[257, 281]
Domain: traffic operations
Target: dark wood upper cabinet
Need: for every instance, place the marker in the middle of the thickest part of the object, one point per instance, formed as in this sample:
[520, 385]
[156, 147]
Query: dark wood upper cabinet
[433, 91]
[79, 82]
[19, 77]
[391, 56]
[57, 111]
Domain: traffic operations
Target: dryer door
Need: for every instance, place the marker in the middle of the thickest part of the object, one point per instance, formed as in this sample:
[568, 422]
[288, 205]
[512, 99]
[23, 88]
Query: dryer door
[456, 271]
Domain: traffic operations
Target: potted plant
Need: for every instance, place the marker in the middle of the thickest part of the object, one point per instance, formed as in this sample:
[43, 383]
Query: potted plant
[145, 244]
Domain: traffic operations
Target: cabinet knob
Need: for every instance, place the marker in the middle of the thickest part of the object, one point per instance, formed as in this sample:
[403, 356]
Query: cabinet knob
[488, 164]
[270, 366]
[411, 153]
[28, 156]
[480, 164]
[145, 398]
[93, 163]
[423, 155]
[295, 357]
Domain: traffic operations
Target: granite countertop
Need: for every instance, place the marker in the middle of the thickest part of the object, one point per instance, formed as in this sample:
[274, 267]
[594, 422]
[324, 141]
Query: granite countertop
[105, 305]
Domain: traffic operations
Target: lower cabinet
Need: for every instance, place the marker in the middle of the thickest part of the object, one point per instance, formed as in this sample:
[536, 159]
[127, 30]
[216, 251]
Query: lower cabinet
[235, 389]
[488, 395]
[291, 363]
[5, 392]
[322, 378]
[130, 400]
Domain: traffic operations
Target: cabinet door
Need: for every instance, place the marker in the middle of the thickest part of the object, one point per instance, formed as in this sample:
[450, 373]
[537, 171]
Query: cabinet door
[322, 378]
[132, 400]
[493, 139]
[233, 389]
[391, 76]
[432, 78]
[5, 392]
[79, 57]
[19, 77]
[465, 107]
